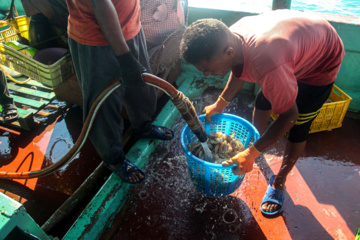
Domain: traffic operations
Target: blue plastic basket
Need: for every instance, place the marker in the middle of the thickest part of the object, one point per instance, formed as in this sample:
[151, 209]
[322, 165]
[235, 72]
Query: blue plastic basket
[214, 179]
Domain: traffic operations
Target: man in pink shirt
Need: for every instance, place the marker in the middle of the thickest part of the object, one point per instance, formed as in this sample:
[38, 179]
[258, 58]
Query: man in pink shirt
[293, 56]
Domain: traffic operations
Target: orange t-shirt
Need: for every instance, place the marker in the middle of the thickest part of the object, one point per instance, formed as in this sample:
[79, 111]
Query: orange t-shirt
[83, 27]
[283, 47]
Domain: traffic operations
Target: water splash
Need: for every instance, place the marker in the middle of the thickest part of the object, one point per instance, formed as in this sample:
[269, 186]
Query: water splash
[177, 202]
[208, 155]
[230, 216]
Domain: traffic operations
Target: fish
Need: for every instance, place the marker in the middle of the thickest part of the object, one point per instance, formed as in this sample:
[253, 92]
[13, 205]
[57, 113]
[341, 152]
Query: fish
[222, 146]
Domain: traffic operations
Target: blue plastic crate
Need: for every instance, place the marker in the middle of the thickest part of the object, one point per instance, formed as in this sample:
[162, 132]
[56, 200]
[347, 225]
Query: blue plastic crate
[214, 179]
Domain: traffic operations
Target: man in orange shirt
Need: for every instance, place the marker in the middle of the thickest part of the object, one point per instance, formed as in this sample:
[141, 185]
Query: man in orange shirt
[294, 57]
[107, 42]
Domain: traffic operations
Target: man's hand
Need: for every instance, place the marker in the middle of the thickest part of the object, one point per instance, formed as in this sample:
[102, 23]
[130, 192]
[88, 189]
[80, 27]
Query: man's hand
[217, 108]
[130, 71]
[244, 160]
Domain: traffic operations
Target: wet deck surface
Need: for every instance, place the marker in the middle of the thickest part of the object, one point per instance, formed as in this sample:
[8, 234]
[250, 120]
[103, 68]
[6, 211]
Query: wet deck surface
[36, 149]
[321, 199]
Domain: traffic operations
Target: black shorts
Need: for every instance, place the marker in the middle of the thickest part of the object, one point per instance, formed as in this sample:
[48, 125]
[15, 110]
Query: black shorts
[309, 101]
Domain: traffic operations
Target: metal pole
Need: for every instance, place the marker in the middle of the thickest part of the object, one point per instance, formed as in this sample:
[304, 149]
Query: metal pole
[281, 4]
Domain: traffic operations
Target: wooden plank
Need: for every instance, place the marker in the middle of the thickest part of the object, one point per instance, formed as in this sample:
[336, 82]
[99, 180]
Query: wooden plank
[30, 107]
[22, 112]
[30, 102]
[26, 118]
[30, 83]
[10, 130]
[38, 84]
[18, 88]
[39, 112]
[15, 124]
[27, 123]
[25, 112]
[43, 113]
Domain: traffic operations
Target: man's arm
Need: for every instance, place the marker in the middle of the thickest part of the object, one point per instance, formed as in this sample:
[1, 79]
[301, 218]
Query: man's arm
[245, 159]
[108, 20]
[232, 87]
[278, 128]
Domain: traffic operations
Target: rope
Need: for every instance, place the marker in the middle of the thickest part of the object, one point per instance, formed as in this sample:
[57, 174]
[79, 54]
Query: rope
[10, 25]
[187, 110]
[11, 78]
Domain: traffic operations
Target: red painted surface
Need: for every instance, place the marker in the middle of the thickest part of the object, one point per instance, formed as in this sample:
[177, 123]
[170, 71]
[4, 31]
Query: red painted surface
[29, 159]
[321, 199]
[39, 148]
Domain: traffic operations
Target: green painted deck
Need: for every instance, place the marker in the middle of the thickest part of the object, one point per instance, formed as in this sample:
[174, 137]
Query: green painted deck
[32, 100]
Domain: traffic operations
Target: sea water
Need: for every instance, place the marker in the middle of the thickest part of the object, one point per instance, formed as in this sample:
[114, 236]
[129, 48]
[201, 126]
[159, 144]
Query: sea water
[340, 7]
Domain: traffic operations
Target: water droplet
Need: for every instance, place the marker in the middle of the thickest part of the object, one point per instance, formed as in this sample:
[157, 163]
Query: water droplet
[230, 216]
[143, 194]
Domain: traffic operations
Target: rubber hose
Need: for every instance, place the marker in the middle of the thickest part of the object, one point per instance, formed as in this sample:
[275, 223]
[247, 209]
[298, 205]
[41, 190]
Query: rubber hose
[150, 79]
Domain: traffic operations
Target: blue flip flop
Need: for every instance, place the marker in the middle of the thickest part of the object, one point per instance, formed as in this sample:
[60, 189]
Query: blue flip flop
[125, 170]
[158, 133]
[272, 195]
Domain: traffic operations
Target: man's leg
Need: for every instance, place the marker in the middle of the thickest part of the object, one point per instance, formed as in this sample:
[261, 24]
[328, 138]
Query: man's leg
[261, 113]
[95, 68]
[4, 91]
[141, 102]
[9, 111]
[292, 153]
[260, 119]
[309, 101]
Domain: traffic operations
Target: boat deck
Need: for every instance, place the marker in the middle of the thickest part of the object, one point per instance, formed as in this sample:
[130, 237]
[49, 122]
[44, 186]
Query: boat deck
[44, 145]
[33, 102]
[321, 199]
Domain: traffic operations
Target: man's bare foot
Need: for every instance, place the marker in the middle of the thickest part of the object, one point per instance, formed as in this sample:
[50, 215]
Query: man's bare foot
[272, 207]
